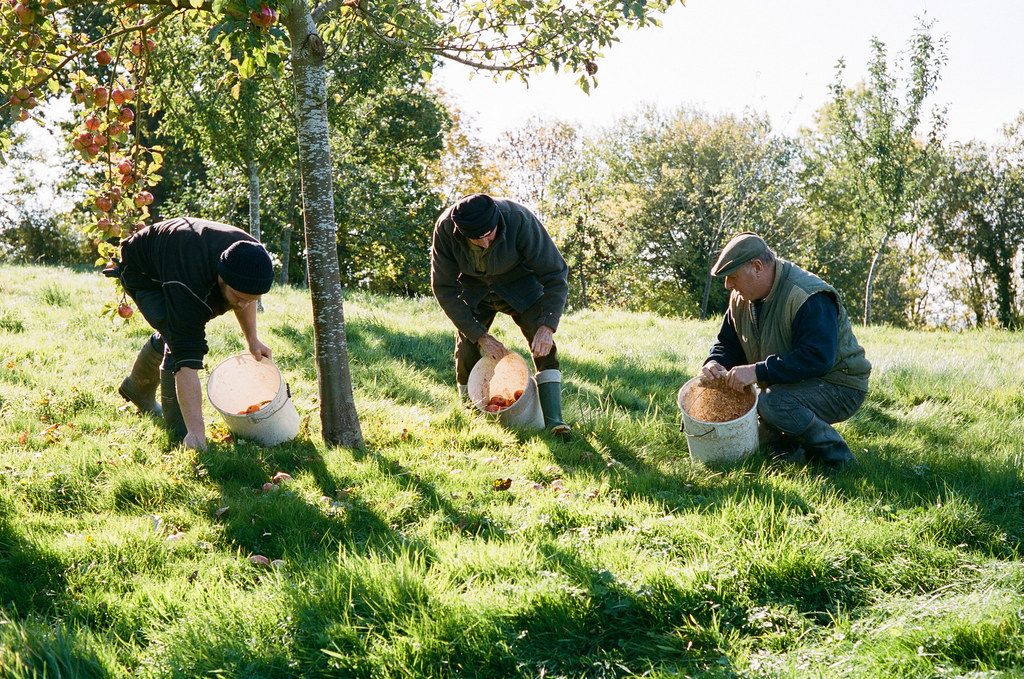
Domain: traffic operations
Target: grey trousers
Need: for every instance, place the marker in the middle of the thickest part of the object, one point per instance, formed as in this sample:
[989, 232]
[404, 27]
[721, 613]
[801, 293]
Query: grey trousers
[791, 408]
[805, 410]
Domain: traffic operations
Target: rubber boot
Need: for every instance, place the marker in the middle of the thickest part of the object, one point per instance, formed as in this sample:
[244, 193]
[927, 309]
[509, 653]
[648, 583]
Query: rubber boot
[549, 389]
[824, 445]
[173, 418]
[140, 386]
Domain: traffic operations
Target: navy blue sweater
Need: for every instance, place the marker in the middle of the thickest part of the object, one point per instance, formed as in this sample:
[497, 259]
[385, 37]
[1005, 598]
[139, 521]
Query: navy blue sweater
[815, 339]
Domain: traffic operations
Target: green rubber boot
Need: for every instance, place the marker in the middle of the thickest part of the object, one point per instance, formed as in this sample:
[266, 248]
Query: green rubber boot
[549, 389]
[140, 386]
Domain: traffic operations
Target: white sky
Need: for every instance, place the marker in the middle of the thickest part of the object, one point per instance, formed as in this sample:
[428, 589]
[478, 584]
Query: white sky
[773, 56]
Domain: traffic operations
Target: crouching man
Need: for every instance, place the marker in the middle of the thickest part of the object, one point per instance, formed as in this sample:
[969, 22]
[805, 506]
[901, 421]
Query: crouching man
[492, 255]
[182, 273]
[787, 330]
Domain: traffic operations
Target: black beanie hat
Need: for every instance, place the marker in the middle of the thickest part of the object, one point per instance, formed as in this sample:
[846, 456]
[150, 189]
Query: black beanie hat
[475, 215]
[246, 267]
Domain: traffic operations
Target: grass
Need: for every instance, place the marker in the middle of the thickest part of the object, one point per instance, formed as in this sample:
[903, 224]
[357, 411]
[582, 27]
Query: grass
[122, 555]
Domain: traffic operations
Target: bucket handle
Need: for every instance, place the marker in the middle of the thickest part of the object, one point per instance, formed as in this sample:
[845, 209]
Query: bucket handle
[700, 436]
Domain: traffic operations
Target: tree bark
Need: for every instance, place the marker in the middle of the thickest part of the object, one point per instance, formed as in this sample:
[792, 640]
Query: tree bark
[254, 195]
[338, 416]
[871, 277]
[286, 253]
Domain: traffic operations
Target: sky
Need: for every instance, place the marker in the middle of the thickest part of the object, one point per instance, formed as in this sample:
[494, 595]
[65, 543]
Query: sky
[774, 57]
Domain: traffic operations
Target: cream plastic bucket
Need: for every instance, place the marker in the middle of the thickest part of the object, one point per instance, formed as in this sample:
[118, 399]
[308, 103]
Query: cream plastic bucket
[239, 382]
[718, 442]
[503, 378]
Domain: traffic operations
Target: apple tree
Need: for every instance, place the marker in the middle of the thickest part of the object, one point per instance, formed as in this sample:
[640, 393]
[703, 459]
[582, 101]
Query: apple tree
[881, 131]
[43, 53]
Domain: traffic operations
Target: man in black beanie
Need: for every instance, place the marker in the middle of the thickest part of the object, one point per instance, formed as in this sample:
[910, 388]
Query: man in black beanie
[492, 255]
[182, 273]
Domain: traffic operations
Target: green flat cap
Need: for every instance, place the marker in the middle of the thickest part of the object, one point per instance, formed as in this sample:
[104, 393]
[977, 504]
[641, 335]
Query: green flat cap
[737, 252]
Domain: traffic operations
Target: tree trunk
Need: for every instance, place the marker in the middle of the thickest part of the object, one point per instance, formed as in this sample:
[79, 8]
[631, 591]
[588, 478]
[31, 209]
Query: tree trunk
[286, 253]
[871, 277]
[707, 289]
[338, 416]
[254, 196]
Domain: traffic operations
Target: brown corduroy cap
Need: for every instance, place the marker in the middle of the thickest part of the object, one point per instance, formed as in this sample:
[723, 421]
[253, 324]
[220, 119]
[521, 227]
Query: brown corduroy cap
[737, 252]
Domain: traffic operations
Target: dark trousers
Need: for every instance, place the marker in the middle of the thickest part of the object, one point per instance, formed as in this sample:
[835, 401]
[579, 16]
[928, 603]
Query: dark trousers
[805, 411]
[151, 302]
[467, 353]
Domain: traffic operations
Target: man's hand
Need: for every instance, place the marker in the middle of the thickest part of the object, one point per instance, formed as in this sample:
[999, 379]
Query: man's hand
[490, 346]
[712, 370]
[741, 377]
[195, 441]
[542, 341]
[259, 350]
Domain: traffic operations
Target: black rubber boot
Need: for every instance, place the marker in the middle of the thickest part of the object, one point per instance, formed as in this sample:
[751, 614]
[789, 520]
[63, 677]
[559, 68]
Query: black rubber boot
[140, 386]
[549, 389]
[823, 444]
[173, 418]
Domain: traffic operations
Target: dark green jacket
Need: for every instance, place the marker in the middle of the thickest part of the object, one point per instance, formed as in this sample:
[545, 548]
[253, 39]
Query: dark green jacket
[771, 333]
[524, 268]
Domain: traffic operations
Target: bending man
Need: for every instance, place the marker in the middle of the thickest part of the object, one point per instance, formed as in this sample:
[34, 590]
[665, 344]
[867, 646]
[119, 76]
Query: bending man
[182, 273]
[492, 255]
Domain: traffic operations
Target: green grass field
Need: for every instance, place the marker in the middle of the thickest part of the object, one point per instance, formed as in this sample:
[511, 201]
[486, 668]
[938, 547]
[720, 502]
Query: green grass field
[122, 555]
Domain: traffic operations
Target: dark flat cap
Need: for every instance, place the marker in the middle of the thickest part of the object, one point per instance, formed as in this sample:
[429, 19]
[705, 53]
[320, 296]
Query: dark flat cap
[475, 215]
[737, 252]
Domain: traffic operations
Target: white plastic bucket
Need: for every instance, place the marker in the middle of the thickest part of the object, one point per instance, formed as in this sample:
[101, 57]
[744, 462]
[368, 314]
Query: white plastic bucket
[240, 382]
[718, 442]
[504, 377]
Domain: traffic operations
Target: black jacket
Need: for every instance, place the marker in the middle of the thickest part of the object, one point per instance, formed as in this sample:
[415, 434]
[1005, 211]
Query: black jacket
[178, 257]
[524, 268]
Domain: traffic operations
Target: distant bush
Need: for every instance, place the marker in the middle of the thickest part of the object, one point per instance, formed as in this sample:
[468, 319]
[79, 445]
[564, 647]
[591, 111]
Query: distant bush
[43, 239]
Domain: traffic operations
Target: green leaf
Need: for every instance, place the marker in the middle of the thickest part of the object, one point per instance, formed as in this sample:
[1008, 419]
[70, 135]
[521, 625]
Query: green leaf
[218, 6]
[246, 69]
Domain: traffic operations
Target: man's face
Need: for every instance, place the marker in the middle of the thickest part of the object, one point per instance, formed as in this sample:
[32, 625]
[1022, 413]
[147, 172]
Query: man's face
[485, 240]
[235, 299]
[750, 281]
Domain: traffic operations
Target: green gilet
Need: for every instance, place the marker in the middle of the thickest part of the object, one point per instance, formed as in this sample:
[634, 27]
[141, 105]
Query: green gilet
[772, 332]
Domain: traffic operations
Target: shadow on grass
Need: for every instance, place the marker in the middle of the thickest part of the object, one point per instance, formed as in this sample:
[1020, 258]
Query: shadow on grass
[30, 578]
[468, 522]
[281, 524]
[384, 363]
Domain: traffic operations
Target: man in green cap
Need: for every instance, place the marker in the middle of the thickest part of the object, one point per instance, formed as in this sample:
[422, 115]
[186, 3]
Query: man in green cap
[492, 255]
[787, 330]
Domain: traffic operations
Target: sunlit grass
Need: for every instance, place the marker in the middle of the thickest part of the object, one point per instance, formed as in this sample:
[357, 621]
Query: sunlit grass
[124, 555]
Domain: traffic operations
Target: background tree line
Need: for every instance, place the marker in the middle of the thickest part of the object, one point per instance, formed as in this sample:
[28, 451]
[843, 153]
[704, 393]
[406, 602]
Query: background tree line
[911, 228]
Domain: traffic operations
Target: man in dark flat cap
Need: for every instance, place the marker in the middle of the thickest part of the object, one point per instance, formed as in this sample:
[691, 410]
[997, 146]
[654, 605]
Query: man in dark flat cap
[492, 255]
[182, 273]
[787, 331]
